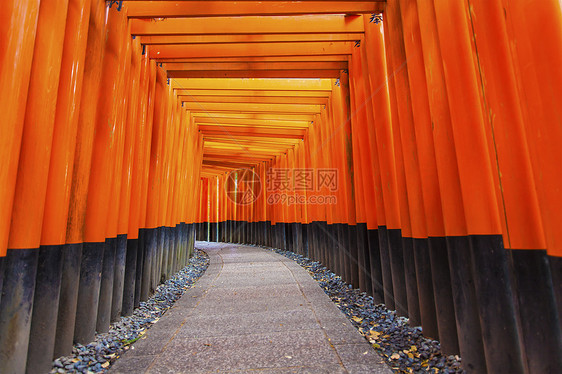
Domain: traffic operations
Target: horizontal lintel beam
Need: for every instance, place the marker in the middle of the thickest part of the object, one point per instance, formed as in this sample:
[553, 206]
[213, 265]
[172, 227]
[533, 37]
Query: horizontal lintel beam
[247, 38]
[158, 9]
[255, 84]
[248, 50]
[248, 25]
[307, 73]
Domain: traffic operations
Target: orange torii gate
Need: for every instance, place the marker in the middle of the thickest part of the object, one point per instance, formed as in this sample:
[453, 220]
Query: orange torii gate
[412, 146]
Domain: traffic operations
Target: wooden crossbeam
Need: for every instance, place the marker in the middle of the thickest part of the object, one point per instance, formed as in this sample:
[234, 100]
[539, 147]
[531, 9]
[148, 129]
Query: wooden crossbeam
[294, 58]
[252, 107]
[239, 157]
[247, 38]
[254, 99]
[248, 25]
[250, 122]
[249, 131]
[254, 73]
[255, 84]
[232, 94]
[273, 142]
[217, 116]
[154, 9]
[279, 65]
[188, 51]
[326, 69]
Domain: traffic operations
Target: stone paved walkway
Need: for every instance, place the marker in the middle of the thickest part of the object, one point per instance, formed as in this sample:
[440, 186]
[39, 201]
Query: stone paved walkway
[253, 311]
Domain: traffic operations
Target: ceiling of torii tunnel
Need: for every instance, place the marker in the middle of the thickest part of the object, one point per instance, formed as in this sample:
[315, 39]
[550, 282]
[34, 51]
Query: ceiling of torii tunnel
[411, 147]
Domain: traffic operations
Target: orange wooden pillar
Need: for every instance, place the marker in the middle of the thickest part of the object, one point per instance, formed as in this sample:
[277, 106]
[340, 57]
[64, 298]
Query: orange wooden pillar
[75, 231]
[314, 158]
[278, 208]
[372, 184]
[176, 216]
[31, 183]
[468, 324]
[113, 225]
[222, 209]
[523, 229]
[170, 151]
[138, 215]
[380, 142]
[102, 170]
[439, 263]
[291, 201]
[265, 205]
[117, 242]
[18, 27]
[326, 154]
[57, 198]
[204, 209]
[123, 260]
[153, 223]
[364, 167]
[307, 229]
[191, 190]
[213, 209]
[299, 185]
[358, 119]
[282, 205]
[411, 202]
[339, 231]
[165, 235]
[538, 80]
[338, 124]
[348, 177]
[493, 289]
[142, 243]
[258, 205]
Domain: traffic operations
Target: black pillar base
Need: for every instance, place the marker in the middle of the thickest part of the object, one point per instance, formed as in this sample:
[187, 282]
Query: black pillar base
[119, 277]
[375, 265]
[2, 268]
[148, 270]
[425, 288]
[556, 272]
[363, 259]
[396, 256]
[466, 304]
[88, 292]
[444, 306]
[411, 282]
[68, 301]
[353, 255]
[106, 285]
[16, 308]
[130, 277]
[495, 303]
[304, 231]
[45, 309]
[539, 317]
[141, 250]
[386, 268]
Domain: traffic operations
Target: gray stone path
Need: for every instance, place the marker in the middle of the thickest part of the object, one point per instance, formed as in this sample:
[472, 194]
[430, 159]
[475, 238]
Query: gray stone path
[252, 311]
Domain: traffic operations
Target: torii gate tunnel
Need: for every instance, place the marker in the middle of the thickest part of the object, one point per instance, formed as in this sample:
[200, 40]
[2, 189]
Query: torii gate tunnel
[412, 146]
